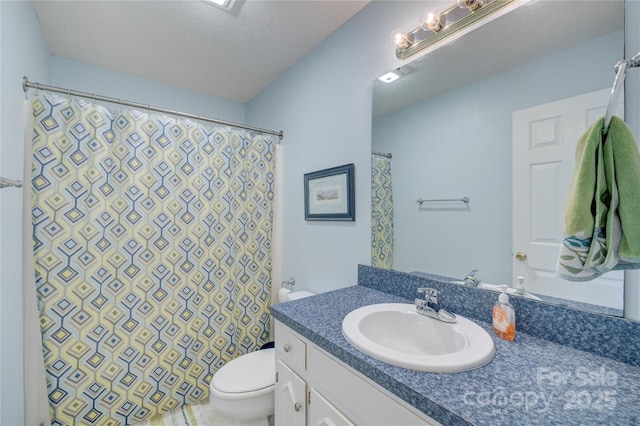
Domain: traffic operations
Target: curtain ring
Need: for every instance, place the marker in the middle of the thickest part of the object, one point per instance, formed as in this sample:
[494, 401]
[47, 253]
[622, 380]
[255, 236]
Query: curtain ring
[69, 95]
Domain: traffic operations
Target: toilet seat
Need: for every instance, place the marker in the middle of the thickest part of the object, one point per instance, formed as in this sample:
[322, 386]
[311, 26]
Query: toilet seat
[247, 376]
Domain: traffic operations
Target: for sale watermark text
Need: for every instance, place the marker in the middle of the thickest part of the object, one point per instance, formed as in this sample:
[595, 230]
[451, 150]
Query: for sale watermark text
[579, 389]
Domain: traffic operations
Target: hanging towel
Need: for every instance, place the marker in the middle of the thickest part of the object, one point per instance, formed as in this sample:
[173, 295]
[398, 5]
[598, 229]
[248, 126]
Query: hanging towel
[602, 214]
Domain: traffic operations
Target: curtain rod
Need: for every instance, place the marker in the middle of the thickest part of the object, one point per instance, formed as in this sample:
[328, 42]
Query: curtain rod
[26, 84]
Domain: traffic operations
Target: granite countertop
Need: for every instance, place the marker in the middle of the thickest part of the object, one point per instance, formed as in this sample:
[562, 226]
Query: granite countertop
[530, 380]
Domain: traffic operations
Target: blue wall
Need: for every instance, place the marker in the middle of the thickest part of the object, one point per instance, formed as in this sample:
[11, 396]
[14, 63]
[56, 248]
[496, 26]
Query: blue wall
[323, 104]
[459, 144]
[76, 75]
[24, 52]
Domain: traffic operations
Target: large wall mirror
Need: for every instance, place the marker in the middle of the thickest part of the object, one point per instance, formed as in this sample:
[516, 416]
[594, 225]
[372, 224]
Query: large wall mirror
[467, 120]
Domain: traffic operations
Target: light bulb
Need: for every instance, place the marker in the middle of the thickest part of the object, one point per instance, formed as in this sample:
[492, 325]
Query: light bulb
[470, 4]
[396, 36]
[432, 20]
[400, 39]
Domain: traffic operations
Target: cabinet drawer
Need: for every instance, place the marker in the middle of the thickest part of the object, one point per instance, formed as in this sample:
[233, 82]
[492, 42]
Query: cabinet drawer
[290, 348]
[359, 399]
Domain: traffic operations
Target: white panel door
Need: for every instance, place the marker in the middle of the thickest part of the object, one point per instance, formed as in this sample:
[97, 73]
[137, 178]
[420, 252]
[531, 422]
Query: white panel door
[544, 143]
[291, 391]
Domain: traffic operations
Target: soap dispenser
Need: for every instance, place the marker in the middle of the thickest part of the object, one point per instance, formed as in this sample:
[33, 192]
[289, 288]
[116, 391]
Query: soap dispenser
[504, 316]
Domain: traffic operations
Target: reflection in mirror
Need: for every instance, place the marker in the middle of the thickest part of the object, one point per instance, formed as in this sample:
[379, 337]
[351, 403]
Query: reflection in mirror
[474, 118]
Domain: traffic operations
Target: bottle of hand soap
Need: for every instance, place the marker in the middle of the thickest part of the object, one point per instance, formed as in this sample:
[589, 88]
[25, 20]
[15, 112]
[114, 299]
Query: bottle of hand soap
[504, 316]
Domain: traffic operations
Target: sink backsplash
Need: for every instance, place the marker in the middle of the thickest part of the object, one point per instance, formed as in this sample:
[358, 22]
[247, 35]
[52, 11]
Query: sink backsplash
[611, 337]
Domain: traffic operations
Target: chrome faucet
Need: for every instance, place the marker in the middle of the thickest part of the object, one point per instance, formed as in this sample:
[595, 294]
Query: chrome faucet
[430, 306]
[472, 279]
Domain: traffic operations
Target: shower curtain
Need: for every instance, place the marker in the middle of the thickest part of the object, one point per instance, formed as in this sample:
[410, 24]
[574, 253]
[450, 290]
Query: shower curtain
[381, 213]
[151, 241]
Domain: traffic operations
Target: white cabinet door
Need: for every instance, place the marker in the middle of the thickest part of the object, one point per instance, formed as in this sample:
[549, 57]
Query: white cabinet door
[290, 396]
[544, 144]
[322, 413]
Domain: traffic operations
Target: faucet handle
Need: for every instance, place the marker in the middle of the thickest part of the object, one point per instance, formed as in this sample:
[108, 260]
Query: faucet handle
[472, 279]
[431, 295]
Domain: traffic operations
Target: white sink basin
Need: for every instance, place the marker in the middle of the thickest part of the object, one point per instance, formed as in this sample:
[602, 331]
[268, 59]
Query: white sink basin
[396, 334]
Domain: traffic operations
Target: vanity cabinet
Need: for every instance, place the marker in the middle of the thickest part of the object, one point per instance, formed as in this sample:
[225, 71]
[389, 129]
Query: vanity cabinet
[314, 388]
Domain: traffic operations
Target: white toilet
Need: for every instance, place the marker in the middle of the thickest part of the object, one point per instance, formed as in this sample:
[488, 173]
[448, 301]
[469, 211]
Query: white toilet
[243, 389]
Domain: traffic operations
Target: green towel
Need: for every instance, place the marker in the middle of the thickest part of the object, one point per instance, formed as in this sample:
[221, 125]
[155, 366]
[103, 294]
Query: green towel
[602, 215]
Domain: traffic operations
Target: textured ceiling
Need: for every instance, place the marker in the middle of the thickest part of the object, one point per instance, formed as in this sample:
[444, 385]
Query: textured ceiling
[192, 44]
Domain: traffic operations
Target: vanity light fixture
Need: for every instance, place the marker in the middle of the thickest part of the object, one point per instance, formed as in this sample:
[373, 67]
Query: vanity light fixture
[436, 26]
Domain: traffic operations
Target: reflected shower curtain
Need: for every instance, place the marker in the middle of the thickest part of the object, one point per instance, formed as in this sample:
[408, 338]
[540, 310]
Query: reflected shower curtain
[381, 213]
[152, 239]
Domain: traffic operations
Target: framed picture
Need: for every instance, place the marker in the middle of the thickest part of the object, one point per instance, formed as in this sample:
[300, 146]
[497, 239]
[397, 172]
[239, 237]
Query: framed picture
[330, 194]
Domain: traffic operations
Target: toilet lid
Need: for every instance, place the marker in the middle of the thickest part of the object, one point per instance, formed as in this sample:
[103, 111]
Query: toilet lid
[250, 372]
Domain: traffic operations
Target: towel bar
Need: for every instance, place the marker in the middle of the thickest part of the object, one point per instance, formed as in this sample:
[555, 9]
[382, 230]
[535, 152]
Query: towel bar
[621, 69]
[463, 199]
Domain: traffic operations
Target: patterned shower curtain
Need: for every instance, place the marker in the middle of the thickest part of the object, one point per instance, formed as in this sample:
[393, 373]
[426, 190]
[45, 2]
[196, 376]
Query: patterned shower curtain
[381, 213]
[152, 239]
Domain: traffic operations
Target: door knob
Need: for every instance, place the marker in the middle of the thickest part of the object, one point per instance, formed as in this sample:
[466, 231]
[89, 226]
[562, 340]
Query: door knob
[297, 406]
[522, 256]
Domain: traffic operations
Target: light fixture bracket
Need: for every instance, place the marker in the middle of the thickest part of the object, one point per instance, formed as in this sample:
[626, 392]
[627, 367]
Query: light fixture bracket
[420, 39]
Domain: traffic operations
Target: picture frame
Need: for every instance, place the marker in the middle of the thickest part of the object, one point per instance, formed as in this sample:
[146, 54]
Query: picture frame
[329, 194]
